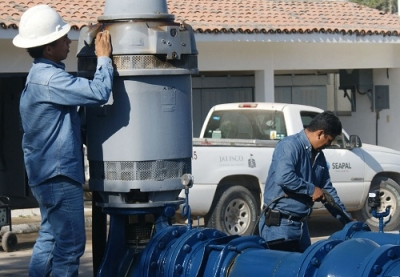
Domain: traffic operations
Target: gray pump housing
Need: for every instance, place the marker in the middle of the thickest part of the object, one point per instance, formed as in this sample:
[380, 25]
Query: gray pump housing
[140, 143]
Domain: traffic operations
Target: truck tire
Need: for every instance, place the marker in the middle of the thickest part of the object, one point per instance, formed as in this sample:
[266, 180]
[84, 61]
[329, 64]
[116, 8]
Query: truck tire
[235, 213]
[390, 197]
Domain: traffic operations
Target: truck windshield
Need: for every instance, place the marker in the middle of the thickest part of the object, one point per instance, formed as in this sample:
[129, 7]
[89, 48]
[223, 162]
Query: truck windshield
[246, 124]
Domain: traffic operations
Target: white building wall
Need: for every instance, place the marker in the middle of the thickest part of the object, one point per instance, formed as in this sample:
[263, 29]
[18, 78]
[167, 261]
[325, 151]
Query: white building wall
[322, 56]
[264, 85]
[17, 60]
[364, 122]
[389, 121]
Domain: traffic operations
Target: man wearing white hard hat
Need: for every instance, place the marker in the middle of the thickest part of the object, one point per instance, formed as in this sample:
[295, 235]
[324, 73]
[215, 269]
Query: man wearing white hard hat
[52, 142]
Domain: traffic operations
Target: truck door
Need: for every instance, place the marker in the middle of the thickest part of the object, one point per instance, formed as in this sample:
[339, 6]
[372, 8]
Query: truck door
[347, 170]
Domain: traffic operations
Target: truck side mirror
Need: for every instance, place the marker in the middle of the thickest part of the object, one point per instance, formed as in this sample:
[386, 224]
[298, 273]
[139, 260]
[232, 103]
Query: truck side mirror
[355, 142]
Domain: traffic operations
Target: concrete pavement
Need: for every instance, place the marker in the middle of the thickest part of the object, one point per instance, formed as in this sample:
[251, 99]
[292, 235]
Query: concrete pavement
[25, 224]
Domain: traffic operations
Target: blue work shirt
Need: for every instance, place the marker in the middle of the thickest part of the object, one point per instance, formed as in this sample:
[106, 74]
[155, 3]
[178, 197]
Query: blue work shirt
[292, 173]
[52, 143]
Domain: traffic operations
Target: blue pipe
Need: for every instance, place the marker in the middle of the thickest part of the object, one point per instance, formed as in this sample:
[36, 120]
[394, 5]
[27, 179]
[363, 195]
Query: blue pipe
[177, 251]
[324, 258]
[361, 230]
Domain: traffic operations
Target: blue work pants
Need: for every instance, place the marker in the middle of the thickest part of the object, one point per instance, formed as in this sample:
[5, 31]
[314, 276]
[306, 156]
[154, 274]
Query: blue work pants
[287, 230]
[62, 237]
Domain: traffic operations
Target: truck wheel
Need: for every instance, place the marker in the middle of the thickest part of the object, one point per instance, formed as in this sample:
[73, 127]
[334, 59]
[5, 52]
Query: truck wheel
[9, 241]
[235, 212]
[390, 197]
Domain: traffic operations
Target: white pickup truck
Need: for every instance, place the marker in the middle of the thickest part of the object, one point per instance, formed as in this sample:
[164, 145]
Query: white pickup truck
[233, 154]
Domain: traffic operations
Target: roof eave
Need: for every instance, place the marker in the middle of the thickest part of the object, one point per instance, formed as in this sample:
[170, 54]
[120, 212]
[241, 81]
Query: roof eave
[10, 33]
[296, 37]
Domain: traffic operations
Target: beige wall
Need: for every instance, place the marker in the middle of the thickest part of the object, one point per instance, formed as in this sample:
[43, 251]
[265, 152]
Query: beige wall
[17, 60]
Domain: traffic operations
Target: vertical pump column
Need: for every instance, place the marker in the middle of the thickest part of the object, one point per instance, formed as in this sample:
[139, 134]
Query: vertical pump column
[139, 144]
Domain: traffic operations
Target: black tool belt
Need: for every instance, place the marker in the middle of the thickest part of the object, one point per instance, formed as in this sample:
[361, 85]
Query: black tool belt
[273, 217]
[294, 218]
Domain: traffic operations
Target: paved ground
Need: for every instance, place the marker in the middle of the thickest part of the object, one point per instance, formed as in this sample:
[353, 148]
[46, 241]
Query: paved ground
[25, 224]
[16, 263]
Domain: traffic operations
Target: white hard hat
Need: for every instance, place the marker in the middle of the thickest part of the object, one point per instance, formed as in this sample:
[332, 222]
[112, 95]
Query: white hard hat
[40, 25]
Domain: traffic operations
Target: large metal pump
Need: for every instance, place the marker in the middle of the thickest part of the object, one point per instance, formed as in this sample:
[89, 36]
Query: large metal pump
[139, 144]
[139, 149]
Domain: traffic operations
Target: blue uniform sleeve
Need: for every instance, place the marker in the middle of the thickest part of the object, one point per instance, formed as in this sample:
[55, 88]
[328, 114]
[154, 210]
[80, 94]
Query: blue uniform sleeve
[288, 167]
[66, 89]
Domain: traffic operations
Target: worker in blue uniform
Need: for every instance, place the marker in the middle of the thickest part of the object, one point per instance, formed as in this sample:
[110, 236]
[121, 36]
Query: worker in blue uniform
[52, 142]
[296, 179]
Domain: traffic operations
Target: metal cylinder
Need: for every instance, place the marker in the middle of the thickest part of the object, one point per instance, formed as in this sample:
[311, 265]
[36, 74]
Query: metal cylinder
[135, 9]
[140, 143]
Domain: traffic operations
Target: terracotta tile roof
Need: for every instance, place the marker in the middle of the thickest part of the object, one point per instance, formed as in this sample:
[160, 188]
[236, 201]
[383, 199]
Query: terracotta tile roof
[233, 16]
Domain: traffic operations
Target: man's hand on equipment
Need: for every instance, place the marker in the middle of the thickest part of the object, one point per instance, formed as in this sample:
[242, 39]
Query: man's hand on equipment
[102, 44]
[318, 195]
[330, 201]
